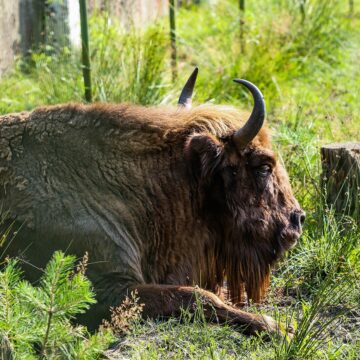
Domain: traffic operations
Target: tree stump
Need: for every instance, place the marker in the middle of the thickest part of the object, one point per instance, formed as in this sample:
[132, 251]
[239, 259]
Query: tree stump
[341, 178]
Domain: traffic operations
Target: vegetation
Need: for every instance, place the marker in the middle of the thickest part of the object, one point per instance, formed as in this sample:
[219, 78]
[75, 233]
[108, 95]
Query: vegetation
[304, 55]
[35, 322]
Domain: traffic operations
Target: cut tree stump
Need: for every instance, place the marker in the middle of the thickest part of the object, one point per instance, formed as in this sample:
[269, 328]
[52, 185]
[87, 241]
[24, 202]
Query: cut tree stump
[341, 178]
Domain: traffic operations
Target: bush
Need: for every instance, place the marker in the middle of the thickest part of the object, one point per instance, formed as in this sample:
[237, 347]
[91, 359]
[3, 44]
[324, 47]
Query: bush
[37, 321]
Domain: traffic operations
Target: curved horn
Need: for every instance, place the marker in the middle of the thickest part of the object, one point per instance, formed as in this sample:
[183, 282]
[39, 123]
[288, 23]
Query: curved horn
[245, 134]
[187, 91]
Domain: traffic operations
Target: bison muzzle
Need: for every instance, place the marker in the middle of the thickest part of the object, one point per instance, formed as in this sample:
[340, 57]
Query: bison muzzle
[162, 199]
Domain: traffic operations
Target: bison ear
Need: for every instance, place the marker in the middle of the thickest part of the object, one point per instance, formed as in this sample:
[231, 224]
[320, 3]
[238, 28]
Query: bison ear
[204, 153]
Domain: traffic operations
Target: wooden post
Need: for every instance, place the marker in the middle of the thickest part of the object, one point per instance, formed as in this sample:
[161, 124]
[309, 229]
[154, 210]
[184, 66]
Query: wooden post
[341, 178]
[173, 39]
[242, 24]
[85, 50]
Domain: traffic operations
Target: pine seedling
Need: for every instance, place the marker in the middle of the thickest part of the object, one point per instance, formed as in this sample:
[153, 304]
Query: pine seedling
[36, 322]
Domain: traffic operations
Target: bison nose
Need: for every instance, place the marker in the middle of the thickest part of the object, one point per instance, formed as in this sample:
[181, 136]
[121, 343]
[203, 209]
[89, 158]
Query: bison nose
[297, 219]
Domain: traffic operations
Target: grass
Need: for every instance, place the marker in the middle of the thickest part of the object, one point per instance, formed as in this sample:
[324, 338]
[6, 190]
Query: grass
[307, 66]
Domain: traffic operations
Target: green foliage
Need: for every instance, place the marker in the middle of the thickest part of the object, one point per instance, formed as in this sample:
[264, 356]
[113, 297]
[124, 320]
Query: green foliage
[315, 326]
[36, 321]
[333, 249]
[280, 46]
[127, 66]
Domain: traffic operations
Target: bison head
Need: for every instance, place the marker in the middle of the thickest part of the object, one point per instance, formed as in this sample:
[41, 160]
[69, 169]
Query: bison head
[246, 200]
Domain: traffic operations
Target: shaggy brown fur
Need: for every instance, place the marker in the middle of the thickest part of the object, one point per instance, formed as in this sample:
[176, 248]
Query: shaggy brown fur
[155, 195]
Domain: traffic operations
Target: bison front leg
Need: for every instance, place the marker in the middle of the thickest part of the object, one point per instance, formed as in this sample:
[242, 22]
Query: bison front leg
[167, 300]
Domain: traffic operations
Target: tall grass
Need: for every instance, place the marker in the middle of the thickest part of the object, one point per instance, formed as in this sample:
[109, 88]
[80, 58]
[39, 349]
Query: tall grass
[279, 47]
[315, 325]
[126, 66]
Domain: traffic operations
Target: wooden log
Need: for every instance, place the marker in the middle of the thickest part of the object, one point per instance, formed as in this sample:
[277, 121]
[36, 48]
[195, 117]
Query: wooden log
[341, 178]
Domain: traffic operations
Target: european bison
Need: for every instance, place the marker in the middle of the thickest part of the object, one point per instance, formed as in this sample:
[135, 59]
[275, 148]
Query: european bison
[161, 199]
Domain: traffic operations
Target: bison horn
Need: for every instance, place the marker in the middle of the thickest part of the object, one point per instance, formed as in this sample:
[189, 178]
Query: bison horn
[187, 91]
[245, 134]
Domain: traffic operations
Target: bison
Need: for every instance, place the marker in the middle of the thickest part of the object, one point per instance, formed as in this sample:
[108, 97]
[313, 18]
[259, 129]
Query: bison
[162, 199]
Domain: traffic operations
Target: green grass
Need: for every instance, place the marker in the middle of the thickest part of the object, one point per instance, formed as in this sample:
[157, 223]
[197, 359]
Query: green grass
[308, 69]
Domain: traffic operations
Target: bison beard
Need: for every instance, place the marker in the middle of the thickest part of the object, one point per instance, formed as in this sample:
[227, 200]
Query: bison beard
[162, 199]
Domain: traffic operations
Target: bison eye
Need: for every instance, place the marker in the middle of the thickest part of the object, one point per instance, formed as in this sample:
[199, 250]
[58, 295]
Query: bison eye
[263, 170]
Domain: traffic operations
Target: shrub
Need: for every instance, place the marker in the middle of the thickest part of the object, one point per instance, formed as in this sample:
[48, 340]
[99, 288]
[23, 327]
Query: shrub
[37, 321]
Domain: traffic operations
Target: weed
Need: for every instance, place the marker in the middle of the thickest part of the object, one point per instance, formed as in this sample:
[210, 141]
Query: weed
[124, 317]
